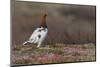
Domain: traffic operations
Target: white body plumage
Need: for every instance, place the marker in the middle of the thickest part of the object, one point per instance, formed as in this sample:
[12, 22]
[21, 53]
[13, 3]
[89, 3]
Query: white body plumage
[37, 36]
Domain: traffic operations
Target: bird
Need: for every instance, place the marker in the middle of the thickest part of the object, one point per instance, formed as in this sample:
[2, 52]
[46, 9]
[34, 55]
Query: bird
[39, 34]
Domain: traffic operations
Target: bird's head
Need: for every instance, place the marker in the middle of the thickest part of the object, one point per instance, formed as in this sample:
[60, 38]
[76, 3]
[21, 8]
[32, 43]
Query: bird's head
[43, 21]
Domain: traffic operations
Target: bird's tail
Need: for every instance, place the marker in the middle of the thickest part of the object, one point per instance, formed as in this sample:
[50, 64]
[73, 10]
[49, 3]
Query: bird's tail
[26, 42]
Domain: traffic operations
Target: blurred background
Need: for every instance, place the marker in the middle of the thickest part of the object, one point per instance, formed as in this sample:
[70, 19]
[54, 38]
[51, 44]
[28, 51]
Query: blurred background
[67, 23]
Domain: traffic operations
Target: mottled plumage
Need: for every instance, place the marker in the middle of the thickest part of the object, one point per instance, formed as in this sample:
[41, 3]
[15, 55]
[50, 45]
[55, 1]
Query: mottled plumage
[39, 34]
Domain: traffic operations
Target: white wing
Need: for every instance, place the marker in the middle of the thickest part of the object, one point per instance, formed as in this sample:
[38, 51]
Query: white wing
[34, 38]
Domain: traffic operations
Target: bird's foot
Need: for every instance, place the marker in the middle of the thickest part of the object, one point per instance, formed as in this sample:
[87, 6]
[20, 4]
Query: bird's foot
[38, 46]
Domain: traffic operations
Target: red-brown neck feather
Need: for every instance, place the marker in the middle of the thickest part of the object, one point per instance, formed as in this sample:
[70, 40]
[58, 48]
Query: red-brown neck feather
[43, 21]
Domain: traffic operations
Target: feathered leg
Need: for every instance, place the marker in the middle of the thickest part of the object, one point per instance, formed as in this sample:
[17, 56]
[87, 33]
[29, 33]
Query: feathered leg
[39, 44]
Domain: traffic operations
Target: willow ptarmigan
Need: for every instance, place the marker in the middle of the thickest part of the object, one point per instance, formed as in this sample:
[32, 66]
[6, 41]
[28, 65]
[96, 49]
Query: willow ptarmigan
[39, 33]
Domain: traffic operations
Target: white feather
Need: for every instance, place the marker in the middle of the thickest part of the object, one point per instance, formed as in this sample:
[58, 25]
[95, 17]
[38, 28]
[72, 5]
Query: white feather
[34, 37]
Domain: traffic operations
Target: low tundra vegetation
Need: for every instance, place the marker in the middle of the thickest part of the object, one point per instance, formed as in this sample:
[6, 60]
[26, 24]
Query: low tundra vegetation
[59, 53]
